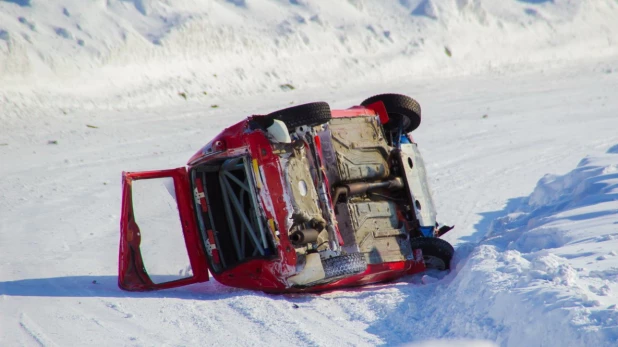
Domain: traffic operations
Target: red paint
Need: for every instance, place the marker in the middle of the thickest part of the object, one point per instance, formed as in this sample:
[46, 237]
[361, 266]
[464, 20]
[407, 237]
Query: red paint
[259, 274]
[202, 198]
[213, 246]
[131, 271]
[352, 112]
[375, 273]
[379, 108]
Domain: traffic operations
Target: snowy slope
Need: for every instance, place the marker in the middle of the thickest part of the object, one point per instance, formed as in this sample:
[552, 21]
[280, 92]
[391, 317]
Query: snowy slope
[545, 272]
[143, 52]
[519, 137]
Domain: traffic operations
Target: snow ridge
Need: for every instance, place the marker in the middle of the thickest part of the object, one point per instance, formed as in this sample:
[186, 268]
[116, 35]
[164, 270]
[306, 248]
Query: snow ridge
[148, 51]
[553, 257]
[546, 275]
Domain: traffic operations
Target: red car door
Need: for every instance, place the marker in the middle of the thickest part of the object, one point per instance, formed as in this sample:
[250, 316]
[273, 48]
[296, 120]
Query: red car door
[152, 218]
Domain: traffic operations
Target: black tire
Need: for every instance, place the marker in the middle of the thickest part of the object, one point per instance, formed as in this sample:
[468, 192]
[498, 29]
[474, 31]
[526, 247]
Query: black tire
[344, 265]
[437, 253]
[311, 114]
[400, 109]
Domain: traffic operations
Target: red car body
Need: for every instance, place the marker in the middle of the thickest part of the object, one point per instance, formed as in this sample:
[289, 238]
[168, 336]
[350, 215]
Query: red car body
[245, 169]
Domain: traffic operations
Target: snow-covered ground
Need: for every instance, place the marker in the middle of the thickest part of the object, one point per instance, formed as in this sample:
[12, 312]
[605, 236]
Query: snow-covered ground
[519, 136]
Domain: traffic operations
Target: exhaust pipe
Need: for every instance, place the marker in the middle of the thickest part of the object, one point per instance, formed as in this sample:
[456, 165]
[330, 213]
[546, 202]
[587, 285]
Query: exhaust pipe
[359, 188]
[303, 237]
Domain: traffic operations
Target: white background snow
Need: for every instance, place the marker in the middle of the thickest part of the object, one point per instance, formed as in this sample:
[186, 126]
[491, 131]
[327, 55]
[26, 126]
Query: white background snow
[519, 134]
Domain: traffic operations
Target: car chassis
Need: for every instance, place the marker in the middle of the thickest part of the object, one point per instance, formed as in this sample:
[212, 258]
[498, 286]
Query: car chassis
[302, 199]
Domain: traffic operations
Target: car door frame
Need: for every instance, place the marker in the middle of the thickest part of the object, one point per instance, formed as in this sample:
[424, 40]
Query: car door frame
[132, 274]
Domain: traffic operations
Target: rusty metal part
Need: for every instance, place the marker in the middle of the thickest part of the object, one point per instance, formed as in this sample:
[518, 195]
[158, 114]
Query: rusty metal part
[303, 193]
[359, 188]
[373, 228]
[360, 149]
[305, 236]
[318, 224]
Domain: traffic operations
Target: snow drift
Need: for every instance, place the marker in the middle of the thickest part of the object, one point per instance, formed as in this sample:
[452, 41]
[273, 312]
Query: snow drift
[547, 272]
[120, 50]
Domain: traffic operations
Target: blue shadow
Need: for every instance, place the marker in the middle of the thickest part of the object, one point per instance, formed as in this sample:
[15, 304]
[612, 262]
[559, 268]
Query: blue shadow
[107, 286]
[613, 149]
[22, 3]
[482, 226]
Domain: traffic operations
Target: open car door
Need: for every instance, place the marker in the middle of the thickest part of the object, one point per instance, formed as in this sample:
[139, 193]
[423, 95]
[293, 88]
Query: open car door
[157, 214]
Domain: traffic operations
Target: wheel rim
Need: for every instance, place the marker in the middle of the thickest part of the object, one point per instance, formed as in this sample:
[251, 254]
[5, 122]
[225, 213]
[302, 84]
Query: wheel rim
[436, 263]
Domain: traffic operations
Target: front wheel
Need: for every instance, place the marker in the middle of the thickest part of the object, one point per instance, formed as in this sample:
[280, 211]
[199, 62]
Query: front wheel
[437, 253]
[311, 114]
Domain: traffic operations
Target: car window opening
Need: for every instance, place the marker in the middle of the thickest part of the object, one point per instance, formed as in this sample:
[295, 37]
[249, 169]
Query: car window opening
[237, 223]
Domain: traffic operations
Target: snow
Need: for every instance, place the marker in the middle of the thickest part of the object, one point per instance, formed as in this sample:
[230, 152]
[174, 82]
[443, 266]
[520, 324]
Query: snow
[518, 136]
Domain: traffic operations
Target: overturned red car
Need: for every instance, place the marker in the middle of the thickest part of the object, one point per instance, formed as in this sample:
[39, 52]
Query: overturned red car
[302, 199]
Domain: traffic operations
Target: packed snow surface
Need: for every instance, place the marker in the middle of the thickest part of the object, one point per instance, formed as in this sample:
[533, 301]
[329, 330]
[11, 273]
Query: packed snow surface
[519, 135]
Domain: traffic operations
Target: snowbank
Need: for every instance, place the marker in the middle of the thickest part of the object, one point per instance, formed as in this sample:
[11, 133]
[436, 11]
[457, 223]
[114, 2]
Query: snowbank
[547, 273]
[113, 53]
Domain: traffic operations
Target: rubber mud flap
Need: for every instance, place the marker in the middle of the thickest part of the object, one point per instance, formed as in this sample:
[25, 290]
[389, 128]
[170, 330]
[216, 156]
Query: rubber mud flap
[344, 265]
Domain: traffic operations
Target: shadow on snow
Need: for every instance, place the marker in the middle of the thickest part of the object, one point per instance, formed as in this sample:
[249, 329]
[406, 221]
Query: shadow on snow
[107, 286]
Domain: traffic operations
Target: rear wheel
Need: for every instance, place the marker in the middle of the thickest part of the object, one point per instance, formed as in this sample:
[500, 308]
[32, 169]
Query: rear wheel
[311, 114]
[437, 253]
[403, 111]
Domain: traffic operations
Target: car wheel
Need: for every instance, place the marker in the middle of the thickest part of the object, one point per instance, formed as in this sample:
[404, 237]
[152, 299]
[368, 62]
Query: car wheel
[344, 265]
[437, 253]
[402, 111]
[311, 114]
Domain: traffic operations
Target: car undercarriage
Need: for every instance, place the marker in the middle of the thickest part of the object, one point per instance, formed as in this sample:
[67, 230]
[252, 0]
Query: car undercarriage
[308, 198]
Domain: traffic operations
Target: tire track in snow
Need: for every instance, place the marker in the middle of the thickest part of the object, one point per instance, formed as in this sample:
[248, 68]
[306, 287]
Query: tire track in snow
[34, 331]
[277, 321]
